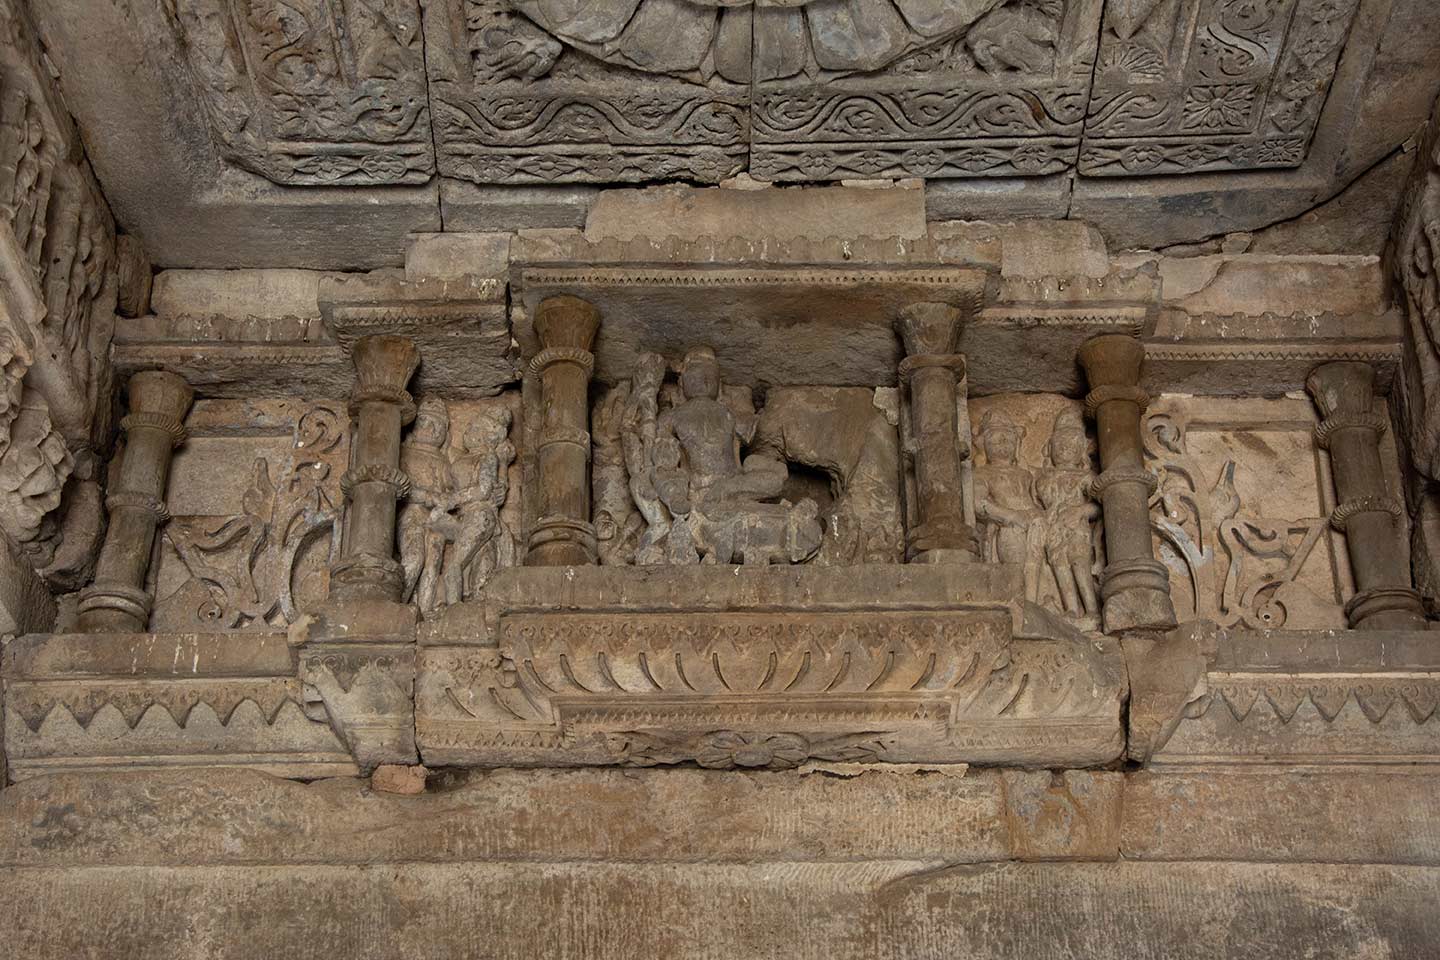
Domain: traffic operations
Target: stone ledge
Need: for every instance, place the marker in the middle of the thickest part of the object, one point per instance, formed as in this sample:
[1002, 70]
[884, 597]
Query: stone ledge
[911, 909]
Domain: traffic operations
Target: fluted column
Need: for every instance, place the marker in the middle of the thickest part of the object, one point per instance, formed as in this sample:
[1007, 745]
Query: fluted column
[932, 372]
[1368, 515]
[563, 534]
[381, 406]
[1135, 587]
[117, 601]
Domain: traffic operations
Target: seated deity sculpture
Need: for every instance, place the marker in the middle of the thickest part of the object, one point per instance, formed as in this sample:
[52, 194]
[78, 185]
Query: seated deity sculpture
[703, 500]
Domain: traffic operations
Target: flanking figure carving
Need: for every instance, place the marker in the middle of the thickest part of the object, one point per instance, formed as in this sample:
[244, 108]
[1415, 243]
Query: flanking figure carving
[452, 538]
[1032, 499]
[703, 489]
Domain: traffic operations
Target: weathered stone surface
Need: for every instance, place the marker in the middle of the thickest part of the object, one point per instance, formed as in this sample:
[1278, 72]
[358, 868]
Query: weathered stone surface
[874, 663]
[1299, 696]
[1378, 814]
[238, 294]
[25, 602]
[238, 817]
[783, 213]
[884, 909]
[451, 256]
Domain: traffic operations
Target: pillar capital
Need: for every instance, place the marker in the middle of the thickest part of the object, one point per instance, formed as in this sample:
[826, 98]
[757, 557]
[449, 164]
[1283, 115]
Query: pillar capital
[158, 399]
[567, 321]
[384, 365]
[1112, 359]
[930, 328]
[1344, 393]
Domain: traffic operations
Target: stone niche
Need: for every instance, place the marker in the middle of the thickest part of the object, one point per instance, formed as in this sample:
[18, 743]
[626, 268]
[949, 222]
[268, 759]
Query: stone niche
[587, 499]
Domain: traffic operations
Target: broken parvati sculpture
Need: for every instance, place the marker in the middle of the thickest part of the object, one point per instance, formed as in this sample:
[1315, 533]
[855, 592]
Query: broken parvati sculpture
[696, 487]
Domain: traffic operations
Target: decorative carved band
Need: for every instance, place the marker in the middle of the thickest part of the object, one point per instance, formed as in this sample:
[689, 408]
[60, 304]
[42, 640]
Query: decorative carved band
[1115, 391]
[1114, 475]
[1377, 600]
[380, 393]
[368, 568]
[551, 355]
[1368, 420]
[1342, 514]
[138, 501]
[132, 601]
[140, 419]
[1130, 574]
[375, 473]
[557, 433]
[921, 361]
[551, 529]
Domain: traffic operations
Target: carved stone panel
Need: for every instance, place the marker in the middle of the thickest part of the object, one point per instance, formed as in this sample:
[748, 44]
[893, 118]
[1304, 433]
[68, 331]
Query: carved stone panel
[1241, 513]
[767, 668]
[1031, 475]
[121, 701]
[1190, 85]
[255, 505]
[629, 95]
[994, 89]
[314, 92]
[1301, 697]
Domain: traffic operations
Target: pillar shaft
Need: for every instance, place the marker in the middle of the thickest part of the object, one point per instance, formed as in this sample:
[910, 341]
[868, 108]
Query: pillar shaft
[933, 372]
[117, 601]
[380, 405]
[1369, 516]
[563, 534]
[1135, 587]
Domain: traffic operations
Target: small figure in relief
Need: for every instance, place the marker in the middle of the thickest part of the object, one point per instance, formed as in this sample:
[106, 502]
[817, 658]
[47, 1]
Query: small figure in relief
[480, 543]
[1005, 501]
[1063, 491]
[432, 488]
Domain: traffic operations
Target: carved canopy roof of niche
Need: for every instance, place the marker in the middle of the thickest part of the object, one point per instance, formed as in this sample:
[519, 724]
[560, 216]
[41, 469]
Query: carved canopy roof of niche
[320, 92]
[201, 116]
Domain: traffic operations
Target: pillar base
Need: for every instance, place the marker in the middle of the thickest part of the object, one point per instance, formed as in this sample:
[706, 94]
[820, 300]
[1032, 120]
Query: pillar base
[1386, 608]
[363, 577]
[114, 608]
[562, 542]
[1136, 594]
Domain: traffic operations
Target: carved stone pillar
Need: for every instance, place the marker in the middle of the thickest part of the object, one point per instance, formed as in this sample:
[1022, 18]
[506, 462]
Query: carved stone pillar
[117, 602]
[357, 660]
[367, 568]
[1368, 515]
[932, 371]
[563, 534]
[1135, 587]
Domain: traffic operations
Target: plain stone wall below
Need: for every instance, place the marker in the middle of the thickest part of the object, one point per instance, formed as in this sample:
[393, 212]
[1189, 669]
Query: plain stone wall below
[1256, 863]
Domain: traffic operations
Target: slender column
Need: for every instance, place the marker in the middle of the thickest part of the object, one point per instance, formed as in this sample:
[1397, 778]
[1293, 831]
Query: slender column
[932, 371]
[117, 602]
[1135, 587]
[1368, 515]
[563, 534]
[367, 568]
